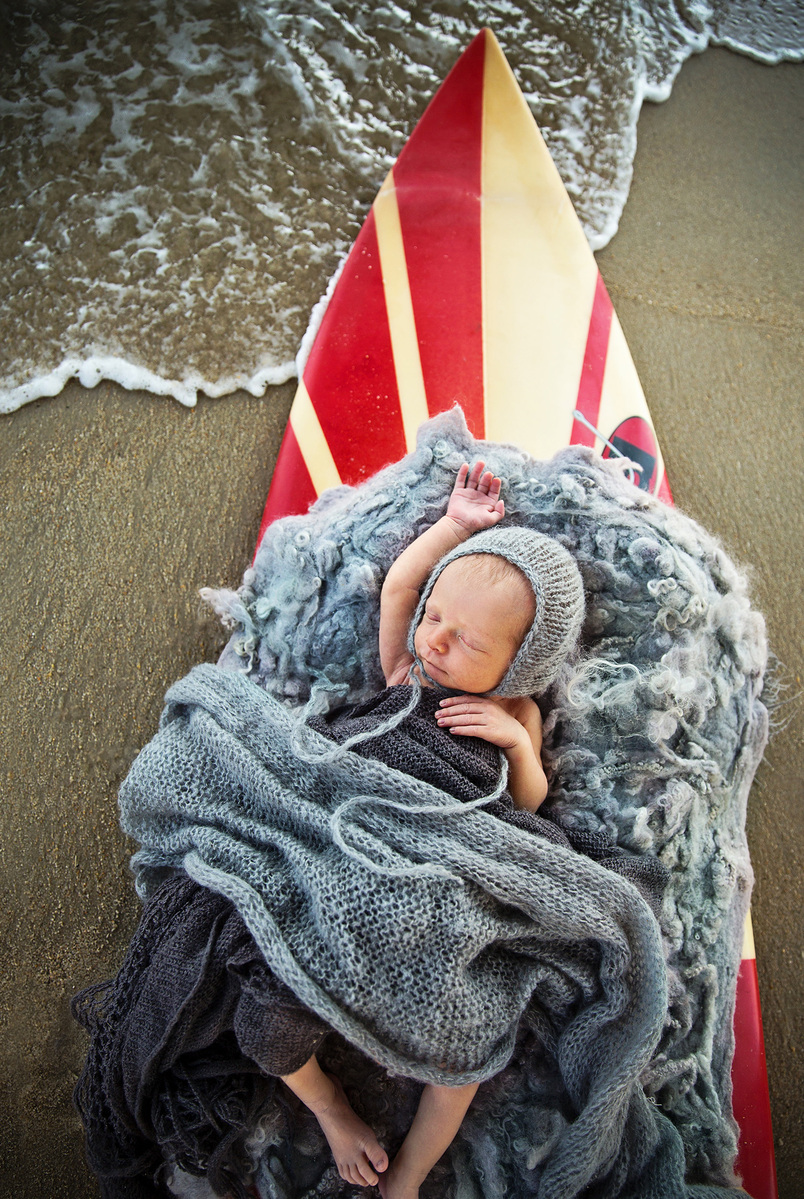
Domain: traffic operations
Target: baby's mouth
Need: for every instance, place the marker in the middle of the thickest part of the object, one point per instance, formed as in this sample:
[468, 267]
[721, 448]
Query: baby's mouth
[434, 668]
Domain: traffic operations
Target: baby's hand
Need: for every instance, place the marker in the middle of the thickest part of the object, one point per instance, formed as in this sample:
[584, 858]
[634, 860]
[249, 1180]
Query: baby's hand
[473, 716]
[475, 501]
[515, 726]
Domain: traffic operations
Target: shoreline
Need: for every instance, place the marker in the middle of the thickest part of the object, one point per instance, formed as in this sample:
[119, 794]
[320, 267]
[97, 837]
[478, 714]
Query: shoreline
[120, 505]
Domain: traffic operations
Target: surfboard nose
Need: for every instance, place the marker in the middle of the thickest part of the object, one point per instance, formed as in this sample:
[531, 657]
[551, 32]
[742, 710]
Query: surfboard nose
[471, 282]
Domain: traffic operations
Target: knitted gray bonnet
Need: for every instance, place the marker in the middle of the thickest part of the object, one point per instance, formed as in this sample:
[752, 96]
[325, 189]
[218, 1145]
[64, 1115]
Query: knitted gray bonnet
[557, 588]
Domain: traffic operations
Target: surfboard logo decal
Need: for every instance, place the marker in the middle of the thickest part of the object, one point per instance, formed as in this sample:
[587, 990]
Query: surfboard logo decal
[635, 440]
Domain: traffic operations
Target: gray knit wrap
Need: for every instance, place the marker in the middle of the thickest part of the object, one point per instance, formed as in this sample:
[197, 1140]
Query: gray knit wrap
[557, 588]
[654, 740]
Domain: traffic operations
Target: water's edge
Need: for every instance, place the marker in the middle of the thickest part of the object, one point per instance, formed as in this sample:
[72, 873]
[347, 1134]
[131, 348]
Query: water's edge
[219, 186]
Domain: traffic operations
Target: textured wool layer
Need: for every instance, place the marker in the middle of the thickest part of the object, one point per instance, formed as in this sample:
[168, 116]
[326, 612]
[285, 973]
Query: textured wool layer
[178, 1043]
[230, 790]
[468, 768]
[426, 946]
[655, 741]
[176, 1038]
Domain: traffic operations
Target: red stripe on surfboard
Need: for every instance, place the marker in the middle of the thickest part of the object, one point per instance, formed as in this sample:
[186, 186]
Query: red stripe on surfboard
[292, 490]
[350, 373]
[438, 184]
[590, 387]
[750, 1100]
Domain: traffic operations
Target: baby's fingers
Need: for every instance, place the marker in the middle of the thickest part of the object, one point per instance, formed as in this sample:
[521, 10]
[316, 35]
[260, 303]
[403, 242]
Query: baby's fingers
[494, 488]
[484, 481]
[460, 717]
[463, 473]
[463, 726]
[466, 703]
[475, 474]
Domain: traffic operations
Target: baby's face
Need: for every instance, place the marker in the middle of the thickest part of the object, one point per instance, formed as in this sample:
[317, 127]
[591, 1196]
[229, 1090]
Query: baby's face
[470, 631]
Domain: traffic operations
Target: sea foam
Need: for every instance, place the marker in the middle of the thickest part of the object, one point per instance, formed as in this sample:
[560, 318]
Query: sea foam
[177, 189]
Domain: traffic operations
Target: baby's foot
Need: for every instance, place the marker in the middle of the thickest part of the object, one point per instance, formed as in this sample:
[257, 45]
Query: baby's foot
[358, 1154]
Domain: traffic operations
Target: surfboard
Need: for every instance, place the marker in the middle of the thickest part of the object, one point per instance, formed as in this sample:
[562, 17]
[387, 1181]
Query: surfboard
[472, 282]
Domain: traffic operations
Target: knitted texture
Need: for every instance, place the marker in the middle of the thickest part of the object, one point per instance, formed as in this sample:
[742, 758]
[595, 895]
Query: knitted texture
[427, 943]
[176, 1037]
[654, 741]
[557, 589]
[469, 768]
[181, 1042]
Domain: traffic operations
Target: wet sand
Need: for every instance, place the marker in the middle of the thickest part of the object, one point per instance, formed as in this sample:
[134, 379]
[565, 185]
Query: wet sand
[119, 506]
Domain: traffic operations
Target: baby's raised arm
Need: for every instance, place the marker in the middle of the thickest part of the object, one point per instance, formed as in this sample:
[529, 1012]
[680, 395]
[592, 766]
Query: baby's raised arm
[474, 504]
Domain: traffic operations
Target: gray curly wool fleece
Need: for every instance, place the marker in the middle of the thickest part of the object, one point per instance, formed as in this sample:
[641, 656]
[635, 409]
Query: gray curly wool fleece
[655, 739]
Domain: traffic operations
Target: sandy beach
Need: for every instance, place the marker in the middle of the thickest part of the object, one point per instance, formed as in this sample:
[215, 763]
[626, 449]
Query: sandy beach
[119, 506]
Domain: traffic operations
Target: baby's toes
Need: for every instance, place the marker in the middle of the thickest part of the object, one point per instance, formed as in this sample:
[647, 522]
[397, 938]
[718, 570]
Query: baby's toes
[351, 1172]
[378, 1157]
[373, 1163]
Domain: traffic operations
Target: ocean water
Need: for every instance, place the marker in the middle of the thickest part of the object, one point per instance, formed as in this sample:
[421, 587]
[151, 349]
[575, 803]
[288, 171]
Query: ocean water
[179, 179]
